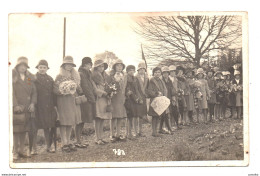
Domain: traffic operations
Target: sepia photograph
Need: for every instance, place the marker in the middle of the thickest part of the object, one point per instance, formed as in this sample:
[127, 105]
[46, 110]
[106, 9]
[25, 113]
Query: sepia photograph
[132, 89]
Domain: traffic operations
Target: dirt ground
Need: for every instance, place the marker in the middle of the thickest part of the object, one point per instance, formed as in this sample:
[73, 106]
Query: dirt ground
[222, 140]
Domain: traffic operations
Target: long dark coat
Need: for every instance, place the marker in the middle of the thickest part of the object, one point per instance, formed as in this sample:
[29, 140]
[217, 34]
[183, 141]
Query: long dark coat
[171, 92]
[24, 94]
[88, 109]
[132, 99]
[155, 85]
[142, 88]
[45, 113]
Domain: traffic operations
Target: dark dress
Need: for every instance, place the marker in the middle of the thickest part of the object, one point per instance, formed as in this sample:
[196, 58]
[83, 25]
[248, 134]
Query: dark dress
[142, 88]
[45, 113]
[88, 109]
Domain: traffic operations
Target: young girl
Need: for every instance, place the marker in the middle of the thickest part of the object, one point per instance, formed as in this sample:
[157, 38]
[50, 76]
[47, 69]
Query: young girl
[237, 88]
[46, 103]
[182, 91]
[175, 106]
[204, 88]
[188, 94]
[88, 109]
[119, 113]
[69, 112]
[103, 102]
[142, 82]
[212, 90]
[219, 95]
[155, 89]
[133, 97]
[24, 100]
[170, 95]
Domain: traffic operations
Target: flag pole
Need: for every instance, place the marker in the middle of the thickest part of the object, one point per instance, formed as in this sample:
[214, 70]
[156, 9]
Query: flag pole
[143, 57]
[64, 37]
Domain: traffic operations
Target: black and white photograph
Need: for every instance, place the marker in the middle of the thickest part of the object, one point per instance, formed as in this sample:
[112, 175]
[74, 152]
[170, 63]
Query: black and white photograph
[128, 89]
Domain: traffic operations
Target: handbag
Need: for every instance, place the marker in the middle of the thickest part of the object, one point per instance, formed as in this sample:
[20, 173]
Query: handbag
[19, 118]
[81, 99]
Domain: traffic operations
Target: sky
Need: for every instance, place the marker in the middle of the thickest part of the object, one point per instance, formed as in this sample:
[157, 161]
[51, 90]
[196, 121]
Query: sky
[87, 34]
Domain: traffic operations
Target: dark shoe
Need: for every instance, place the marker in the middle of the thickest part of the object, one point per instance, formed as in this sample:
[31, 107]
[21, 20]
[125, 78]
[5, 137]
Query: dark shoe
[72, 147]
[24, 155]
[113, 139]
[49, 150]
[66, 148]
[141, 135]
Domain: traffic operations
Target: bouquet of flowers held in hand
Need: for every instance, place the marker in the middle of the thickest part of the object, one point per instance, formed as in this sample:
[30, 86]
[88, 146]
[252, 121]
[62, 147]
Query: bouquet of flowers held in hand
[68, 87]
[111, 89]
[195, 89]
[237, 87]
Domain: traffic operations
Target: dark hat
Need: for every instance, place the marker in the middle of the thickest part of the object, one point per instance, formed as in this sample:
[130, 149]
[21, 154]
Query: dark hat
[42, 62]
[68, 60]
[22, 60]
[129, 67]
[156, 69]
[180, 68]
[86, 60]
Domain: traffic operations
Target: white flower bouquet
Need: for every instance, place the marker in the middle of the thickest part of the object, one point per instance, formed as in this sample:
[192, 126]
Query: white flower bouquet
[160, 104]
[68, 87]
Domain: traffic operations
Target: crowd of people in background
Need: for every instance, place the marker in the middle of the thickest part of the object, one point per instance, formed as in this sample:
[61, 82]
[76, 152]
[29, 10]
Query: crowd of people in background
[123, 96]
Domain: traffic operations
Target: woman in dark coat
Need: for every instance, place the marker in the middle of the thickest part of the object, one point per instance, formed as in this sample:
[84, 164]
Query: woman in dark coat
[45, 108]
[155, 89]
[133, 97]
[212, 90]
[88, 109]
[24, 100]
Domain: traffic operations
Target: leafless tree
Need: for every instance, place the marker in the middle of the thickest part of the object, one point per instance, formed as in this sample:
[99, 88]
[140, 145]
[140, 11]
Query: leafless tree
[108, 56]
[188, 37]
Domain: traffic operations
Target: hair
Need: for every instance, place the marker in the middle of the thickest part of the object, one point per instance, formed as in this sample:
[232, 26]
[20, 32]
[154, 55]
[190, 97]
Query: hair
[156, 69]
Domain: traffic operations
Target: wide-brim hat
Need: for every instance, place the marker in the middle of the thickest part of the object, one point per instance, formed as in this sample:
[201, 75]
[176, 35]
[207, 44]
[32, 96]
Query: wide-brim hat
[99, 62]
[118, 61]
[22, 60]
[68, 60]
[165, 69]
[141, 65]
[236, 72]
[42, 62]
[190, 70]
[200, 70]
[86, 60]
[172, 68]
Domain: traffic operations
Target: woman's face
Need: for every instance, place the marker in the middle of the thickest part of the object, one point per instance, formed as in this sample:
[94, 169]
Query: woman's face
[200, 75]
[68, 67]
[157, 73]
[101, 68]
[165, 74]
[42, 69]
[218, 76]
[173, 73]
[131, 72]
[237, 76]
[21, 68]
[87, 66]
[141, 71]
[210, 74]
[119, 67]
[224, 77]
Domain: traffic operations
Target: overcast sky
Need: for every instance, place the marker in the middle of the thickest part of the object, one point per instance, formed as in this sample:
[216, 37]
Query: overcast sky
[41, 37]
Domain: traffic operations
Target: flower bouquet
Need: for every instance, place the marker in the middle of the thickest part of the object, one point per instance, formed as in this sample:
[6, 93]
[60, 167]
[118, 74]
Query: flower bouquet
[160, 104]
[67, 87]
[111, 89]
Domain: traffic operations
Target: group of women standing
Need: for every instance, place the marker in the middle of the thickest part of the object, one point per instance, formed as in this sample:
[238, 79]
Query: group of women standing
[120, 96]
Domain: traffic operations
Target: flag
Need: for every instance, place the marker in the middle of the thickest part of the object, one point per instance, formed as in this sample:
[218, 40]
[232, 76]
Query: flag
[143, 56]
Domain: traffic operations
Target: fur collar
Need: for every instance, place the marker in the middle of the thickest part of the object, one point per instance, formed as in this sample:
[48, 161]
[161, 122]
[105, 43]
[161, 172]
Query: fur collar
[74, 74]
[27, 74]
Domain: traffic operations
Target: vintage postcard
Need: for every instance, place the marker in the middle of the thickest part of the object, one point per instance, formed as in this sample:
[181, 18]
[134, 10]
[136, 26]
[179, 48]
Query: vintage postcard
[128, 89]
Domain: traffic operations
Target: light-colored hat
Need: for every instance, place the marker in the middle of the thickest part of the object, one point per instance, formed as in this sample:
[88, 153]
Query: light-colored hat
[99, 62]
[218, 72]
[224, 73]
[118, 61]
[215, 69]
[22, 60]
[200, 70]
[172, 68]
[42, 62]
[236, 72]
[68, 60]
[165, 69]
[228, 73]
[141, 65]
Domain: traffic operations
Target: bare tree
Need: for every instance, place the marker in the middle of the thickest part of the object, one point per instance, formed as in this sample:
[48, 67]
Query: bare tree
[188, 37]
[108, 56]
